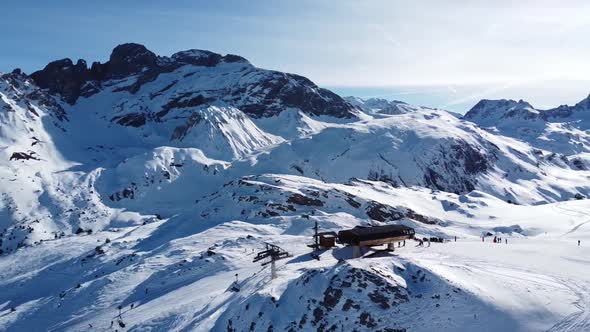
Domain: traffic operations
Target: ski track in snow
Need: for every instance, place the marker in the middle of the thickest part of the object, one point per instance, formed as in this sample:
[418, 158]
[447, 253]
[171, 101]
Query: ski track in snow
[578, 321]
[516, 274]
[562, 208]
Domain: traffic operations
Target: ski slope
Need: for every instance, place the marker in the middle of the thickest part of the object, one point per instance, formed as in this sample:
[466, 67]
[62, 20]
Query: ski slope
[535, 282]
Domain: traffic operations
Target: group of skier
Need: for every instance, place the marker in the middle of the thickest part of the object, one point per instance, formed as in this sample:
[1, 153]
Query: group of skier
[496, 239]
[499, 240]
[421, 242]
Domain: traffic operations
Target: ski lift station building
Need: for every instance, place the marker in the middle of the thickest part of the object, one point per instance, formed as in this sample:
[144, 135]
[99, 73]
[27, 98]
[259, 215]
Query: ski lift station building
[362, 236]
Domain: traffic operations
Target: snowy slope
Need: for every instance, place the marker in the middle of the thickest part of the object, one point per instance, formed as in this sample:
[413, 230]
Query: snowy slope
[177, 279]
[44, 196]
[148, 182]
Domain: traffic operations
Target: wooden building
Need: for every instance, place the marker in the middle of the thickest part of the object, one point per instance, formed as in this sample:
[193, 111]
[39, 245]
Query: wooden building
[327, 239]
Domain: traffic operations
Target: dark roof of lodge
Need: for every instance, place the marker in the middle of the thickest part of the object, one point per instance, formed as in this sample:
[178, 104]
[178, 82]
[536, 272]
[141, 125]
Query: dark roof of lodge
[362, 233]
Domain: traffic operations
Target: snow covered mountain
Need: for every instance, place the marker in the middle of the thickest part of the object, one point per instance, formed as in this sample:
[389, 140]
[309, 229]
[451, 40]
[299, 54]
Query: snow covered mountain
[147, 182]
[380, 105]
[191, 78]
[562, 130]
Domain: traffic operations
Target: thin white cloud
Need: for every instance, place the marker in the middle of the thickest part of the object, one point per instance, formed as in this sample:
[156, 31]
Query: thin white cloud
[435, 42]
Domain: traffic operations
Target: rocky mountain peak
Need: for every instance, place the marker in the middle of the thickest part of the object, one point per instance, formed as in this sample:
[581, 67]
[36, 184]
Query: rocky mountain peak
[63, 77]
[487, 105]
[584, 104]
[130, 58]
[501, 112]
[204, 58]
[489, 112]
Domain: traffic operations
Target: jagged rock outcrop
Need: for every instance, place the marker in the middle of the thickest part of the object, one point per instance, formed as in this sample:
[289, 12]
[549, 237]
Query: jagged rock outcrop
[19, 87]
[129, 59]
[63, 77]
[68, 79]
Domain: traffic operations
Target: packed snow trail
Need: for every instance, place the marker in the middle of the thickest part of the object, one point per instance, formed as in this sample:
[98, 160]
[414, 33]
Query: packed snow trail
[538, 281]
[578, 321]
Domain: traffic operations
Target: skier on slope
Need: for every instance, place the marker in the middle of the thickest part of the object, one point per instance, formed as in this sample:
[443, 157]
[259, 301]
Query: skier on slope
[578, 243]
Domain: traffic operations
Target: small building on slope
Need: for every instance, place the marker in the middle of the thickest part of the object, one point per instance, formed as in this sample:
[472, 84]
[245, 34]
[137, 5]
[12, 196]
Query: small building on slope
[368, 236]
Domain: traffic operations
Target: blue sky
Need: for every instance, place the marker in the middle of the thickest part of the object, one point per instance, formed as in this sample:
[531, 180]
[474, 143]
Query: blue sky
[446, 53]
[274, 34]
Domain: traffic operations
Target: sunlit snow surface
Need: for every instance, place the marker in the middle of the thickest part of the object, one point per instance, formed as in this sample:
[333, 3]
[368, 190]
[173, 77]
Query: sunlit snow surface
[186, 202]
[533, 283]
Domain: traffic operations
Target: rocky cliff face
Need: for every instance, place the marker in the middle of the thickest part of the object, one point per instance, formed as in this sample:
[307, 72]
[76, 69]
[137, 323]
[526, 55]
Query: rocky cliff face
[68, 79]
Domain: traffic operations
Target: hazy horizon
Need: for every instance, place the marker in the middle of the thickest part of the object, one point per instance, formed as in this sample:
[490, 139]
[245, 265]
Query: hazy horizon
[460, 98]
